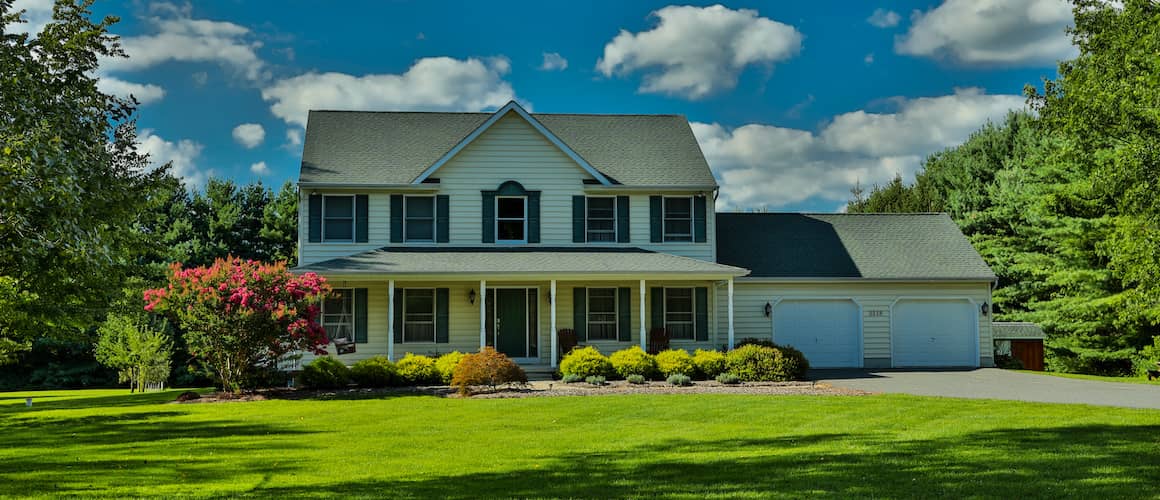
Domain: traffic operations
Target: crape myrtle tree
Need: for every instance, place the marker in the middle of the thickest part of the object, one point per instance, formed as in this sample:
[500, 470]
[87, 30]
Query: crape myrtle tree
[241, 317]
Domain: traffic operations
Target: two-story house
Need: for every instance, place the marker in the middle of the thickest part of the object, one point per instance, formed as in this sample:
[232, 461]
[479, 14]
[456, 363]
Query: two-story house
[453, 231]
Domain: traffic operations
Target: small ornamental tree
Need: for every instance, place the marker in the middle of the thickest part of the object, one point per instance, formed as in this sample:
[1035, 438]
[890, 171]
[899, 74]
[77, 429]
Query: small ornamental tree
[240, 316]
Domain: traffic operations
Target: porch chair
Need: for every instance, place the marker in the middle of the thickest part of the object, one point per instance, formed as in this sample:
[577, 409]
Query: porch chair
[658, 340]
[566, 340]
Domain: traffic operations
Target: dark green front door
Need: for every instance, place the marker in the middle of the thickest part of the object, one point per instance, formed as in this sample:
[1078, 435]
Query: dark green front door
[511, 318]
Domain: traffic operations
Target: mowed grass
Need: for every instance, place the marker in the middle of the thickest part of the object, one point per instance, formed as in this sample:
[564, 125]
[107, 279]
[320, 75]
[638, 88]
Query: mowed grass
[108, 443]
[1126, 380]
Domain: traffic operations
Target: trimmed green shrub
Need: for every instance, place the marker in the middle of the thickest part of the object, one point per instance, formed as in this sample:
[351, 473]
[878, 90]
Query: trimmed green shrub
[633, 361]
[636, 379]
[374, 372]
[728, 379]
[417, 370]
[572, 378]
[679, 380]
[487, 367]
[445, 365]
[754, 341]
[709, 364]
[675, 362]
[325, 373]
[596, 380]
[794, 363]
[586, 362]
[755, 363]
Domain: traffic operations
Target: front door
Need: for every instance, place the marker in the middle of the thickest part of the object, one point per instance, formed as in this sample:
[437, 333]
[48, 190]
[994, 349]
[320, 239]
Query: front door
[511, 322]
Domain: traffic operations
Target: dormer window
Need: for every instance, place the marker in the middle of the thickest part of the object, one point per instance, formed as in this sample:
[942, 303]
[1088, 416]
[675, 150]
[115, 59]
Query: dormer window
[419, 218]
[511, 221]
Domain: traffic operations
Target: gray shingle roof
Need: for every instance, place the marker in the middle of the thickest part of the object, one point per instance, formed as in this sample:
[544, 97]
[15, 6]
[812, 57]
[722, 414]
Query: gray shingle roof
[868, 246]
[1006, 330]
[363, 147]
[630, 262]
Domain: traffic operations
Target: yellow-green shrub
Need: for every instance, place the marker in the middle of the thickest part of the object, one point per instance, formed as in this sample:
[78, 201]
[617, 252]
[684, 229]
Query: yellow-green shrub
[586, 362]
[709, 364]
[634, 361]
[446, 365]
[675, 362]
[417, 370]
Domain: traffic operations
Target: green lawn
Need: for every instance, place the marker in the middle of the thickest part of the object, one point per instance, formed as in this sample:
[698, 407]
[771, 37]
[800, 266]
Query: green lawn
[1126, 380]
[112, 444]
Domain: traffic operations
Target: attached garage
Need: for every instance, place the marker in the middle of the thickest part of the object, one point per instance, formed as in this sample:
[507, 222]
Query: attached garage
[827, 331]
[934, 332]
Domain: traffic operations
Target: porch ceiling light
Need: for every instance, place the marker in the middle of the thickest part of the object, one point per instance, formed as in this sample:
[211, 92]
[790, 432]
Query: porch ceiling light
[471, 296]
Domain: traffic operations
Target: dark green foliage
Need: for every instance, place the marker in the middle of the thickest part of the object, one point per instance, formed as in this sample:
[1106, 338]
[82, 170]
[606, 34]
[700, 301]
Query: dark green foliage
[585, 362]
[324, 373]
[374, 372]
[679, 380]
[755, 363]
[1008, 362]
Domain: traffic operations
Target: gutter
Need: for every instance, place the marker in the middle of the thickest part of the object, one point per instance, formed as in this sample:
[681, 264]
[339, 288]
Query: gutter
[759, 279]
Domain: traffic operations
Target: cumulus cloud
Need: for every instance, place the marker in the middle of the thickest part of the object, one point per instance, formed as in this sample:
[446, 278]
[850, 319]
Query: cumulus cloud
[260, 168]
[760, 165]
[294, 137]
[997, 32]
[431, 84]
[553, 62]
[144, 92]
[882, 18]
[181, 155]
[37, 13]
[249, 135]
[694, 51]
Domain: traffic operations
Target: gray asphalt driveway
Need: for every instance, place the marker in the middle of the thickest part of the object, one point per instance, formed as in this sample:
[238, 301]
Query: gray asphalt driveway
[993, 383]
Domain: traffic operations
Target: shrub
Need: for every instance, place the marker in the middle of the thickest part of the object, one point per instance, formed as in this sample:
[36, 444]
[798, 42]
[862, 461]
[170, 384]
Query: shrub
[596, 380]
[679, 380]
[636, 379]
[572, 378]
[755, 363]
[709, 364]
[1008, 362]
[728, 379]
[754, 341]
[586, 362]
[675, 362]
[374, 372]
[794, 363]
[633, 361]
[325, 373]
[446, 364]
[417, 370]
[487, 367]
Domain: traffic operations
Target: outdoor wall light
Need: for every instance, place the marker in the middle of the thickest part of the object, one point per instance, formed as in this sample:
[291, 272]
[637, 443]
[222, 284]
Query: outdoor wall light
[985, 308]
[768, 309]
[471, 296]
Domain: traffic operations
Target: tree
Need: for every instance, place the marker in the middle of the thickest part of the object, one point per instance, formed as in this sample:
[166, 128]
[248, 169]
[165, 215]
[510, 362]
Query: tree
[72, 185]
[280, 225]
[240, 317]
[138, 350]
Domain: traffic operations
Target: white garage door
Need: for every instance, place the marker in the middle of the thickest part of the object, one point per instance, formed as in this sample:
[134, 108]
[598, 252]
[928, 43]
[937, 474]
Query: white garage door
[826, 331]
[934, 333]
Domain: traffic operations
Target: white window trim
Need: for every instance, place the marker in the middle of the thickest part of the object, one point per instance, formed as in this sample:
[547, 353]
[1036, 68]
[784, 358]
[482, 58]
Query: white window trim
[693, 302]
[434, 218]
[353, 218]
[665, 218]
[434, 317]
[498, 219]
[615, 221]
[353, 313]
[588, 314]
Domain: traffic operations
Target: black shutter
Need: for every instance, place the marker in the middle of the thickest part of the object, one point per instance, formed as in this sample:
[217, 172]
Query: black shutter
[488, 224]
[622, 224]
[624, 313]
[442, 218]
[534, 217]
[396, 218]
[361, 212]
[699, 219]
[578, 205]
[658, 306]
[701, 312]
[656, 219]
[360, 315]
[314, 218]
[442, 295]
[398, 306]
[579, 313]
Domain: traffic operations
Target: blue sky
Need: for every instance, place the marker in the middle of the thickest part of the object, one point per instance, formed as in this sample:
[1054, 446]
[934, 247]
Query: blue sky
[791, 101]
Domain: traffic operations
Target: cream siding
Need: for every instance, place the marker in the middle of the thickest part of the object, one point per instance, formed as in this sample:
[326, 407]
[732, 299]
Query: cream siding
[378, 229]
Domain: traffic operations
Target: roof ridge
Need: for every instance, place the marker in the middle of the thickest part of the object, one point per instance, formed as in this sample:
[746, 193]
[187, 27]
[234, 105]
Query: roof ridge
[489, 113]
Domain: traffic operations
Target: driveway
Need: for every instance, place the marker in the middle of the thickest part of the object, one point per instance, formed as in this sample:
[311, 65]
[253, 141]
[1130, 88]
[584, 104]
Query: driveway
[993, 383]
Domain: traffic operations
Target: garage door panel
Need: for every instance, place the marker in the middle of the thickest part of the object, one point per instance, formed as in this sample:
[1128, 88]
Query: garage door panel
[826, 331]
[934, 333]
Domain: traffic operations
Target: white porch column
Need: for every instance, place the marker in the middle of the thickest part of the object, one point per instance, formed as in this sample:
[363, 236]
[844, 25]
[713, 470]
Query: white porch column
[552, 304]
[391, 320]
[482, 314]
[643, 336]
[730, 313]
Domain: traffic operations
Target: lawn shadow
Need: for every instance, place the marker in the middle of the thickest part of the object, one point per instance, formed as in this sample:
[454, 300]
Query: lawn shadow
[45, 403]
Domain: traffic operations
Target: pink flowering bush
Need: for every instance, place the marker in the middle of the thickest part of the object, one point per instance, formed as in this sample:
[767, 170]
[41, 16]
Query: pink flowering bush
[241, 316]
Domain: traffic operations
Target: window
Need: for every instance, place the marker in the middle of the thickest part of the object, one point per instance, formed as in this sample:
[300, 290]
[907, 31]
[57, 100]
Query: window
[511, 222]
[419, 218]
[602, 314]
[419, 315]
[601, 219]
[678, 219]
[338, 314]
[338, 218]
[679, 313]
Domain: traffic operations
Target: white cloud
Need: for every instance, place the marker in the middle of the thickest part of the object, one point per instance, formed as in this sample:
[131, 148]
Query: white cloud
[144, 92]
[433, 84]
[200, 78]
[181, 155]
[869, 59]
[882, 18]
[37, 12]
[694, 51]
[260, 168]
[249, 135]
[294, 137]
[553, 62]
[1005, 32]
[762, 165]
